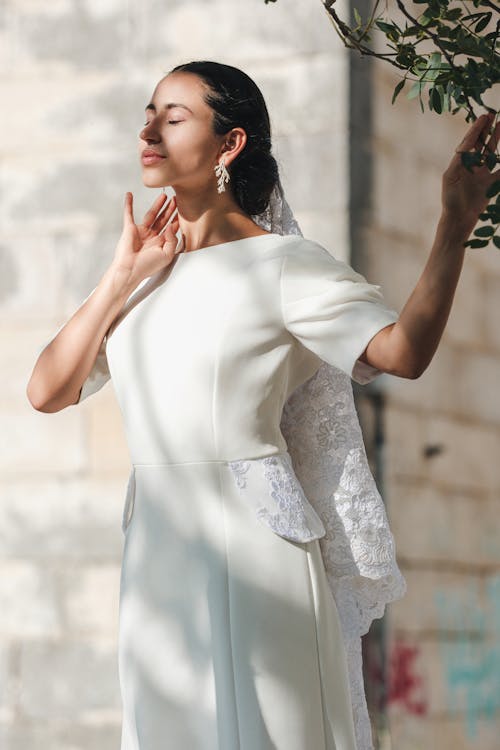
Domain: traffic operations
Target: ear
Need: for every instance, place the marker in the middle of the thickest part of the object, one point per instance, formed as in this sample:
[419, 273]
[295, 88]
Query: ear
[234, 142]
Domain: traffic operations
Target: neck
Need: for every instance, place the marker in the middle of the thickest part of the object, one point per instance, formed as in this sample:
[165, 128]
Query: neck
[206, 219]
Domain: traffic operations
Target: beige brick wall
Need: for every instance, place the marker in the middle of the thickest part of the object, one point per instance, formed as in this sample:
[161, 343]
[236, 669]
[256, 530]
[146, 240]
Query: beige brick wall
[74, 81]
[444, 509]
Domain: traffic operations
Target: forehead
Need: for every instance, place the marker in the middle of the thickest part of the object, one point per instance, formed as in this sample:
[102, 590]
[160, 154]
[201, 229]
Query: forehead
[181, 88]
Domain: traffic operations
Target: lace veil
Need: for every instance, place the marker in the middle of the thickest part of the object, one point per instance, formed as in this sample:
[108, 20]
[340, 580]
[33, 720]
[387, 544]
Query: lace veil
[321, 427]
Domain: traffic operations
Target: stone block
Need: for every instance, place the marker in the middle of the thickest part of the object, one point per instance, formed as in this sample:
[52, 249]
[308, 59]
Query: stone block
[404, 443]
[393, 192]
[435, 390]
[83, 680]
[4, 681]
[440, 602]
[91, 599]
[28, 602]
[466, 324]
[51, 518]
[477, 383]
[29, 278]
[35, 443]
[271, 31]
[395, 260]
[491, 311]
[407, 127]
[443, 732]
[330, 229]
[57, 735]
[303, 94]
[320, 162]
[469, 458]
[430, 524]
[20, 346]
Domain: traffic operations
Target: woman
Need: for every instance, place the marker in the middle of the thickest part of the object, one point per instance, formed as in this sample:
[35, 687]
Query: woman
[229, 634]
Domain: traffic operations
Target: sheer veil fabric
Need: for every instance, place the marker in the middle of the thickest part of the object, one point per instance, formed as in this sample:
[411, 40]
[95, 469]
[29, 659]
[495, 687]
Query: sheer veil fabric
[327, 458]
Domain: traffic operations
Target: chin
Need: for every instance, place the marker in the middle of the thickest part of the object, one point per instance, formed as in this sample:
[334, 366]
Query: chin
[152, 182]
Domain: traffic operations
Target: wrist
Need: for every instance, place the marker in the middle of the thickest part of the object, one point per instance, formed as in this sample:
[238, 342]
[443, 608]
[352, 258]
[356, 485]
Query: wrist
[458, 226]
[119, 281]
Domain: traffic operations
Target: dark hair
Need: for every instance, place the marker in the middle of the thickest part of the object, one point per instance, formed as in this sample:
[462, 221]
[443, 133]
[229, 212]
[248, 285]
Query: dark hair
[237, 101]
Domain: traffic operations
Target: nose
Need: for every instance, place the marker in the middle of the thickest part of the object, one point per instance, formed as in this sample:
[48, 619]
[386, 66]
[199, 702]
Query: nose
[149, 133]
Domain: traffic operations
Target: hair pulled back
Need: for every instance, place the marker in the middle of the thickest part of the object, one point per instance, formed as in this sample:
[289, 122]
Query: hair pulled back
[237, 101]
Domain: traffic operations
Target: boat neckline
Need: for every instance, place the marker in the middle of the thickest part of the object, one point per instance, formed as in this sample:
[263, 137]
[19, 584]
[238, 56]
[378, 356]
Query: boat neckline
[268, 235]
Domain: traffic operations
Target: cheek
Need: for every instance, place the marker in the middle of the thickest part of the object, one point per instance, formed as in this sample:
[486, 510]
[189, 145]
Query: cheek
[189, 150]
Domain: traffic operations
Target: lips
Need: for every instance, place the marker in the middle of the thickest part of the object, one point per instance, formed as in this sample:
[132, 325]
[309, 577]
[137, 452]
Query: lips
[149, 156]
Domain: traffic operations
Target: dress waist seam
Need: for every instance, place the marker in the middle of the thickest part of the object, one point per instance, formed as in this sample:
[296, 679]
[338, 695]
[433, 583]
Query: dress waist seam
[207, 461]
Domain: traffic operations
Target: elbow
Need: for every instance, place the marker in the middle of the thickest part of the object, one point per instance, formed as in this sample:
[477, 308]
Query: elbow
[409, 370]
[41, 402]
[35, 398]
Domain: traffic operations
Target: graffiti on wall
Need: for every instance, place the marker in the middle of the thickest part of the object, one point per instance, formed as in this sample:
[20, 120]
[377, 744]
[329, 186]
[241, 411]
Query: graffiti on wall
[405, 684]
[471, 655]
[395, 681]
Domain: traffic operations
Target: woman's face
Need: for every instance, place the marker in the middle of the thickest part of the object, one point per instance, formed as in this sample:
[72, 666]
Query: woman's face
[179, 132]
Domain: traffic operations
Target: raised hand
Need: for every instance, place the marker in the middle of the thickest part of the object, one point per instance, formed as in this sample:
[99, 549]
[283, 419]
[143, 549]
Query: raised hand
[143, 249]
[463, 191]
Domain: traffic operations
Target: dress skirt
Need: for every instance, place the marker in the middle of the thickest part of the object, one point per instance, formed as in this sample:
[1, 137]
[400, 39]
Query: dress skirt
[229, 636]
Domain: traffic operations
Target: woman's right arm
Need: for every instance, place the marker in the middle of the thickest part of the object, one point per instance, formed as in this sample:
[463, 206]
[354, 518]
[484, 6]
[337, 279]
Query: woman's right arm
[66, 362]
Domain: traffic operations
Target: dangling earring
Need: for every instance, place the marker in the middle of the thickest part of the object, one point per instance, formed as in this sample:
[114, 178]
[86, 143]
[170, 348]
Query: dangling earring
[222, 174]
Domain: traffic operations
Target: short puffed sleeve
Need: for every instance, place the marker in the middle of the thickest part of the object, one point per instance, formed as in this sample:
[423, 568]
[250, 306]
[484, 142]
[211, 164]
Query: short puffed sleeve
[99, 374]
[331, 309]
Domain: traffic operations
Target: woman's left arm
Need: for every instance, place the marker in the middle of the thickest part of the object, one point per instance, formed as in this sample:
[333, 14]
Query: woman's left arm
[406, 348]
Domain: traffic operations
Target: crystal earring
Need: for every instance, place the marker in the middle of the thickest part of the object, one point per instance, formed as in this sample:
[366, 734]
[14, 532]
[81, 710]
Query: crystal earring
[222, 174]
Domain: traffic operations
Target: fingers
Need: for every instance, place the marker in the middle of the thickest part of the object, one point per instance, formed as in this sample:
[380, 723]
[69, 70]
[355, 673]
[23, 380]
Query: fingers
[128, 209]
[492, 144]
[151, 214]
[475, 137]
[162, 218]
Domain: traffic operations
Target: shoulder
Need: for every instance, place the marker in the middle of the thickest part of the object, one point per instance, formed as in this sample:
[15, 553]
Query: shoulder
[305, 258]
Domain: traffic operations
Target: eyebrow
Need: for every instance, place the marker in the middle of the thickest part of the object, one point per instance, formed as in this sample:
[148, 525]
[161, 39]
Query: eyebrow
[170, 105]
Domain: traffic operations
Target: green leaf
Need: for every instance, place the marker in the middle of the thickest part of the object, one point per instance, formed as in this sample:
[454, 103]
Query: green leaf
[357, 17]
[484, 232]
[476, 243]
[496, 240]
[398, 89]
[414, 90]
[470, 159]
[482, 24]
[493, 189]
[453, 14]
[491, 160]
[436, 99]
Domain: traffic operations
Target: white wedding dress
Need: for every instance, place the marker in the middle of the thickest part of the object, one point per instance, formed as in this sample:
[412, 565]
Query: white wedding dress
[257, 549]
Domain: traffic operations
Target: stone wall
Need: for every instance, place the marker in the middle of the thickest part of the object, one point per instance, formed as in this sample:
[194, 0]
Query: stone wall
[75, 78]
[442, 443]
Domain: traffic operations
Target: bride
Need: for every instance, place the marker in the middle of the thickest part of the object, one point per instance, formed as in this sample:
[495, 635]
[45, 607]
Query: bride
[257, 550]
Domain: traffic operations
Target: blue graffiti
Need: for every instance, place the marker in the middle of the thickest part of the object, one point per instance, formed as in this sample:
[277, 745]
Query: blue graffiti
[472, 655]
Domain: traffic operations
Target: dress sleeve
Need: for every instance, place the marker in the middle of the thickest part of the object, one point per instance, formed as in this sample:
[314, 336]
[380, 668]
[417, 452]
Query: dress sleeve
[331, 309]
[99, 374]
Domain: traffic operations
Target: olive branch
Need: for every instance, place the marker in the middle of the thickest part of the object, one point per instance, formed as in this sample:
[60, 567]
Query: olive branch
[448, 56]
